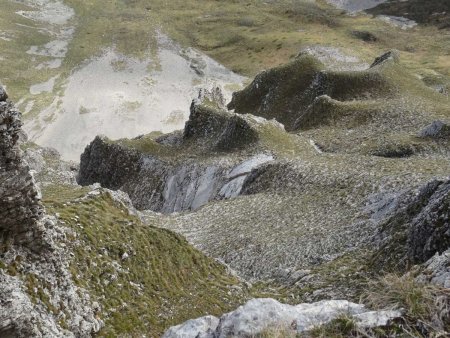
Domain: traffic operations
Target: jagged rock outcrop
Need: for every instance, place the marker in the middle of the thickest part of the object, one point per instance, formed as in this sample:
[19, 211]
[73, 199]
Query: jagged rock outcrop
[418, 228]
[37, 295]
[20, 210]
[259, 315]
[436, 270]
[173, 173]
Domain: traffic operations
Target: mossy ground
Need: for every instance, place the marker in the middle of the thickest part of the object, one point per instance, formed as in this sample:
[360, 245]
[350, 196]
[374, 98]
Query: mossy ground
[163, 282]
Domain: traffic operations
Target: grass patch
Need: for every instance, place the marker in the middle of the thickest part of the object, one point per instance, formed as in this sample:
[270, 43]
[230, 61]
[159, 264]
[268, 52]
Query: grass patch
[426, 305]
[160, 282]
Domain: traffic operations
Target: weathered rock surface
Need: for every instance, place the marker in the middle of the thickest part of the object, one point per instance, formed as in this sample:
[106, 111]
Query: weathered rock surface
[258, 315]
[165, 179]
[437, 270]
[419, 227]
[3, 94]
[37, 295]
[20, 209]
[437, 129]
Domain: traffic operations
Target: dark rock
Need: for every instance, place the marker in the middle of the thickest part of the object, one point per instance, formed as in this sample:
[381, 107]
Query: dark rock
[437, 129]
[391, 55]
[3, 94]
[365, 36]
[160, 176]
[429, 232]
[418, 229]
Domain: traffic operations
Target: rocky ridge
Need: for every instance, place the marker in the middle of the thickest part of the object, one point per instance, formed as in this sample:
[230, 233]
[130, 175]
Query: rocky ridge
[158, 175]
[38, 296]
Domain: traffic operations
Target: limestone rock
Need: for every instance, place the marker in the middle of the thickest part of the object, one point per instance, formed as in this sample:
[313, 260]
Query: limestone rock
[429, 232]
[20, 209]
[437, 270]
[419, 227]
[258, 315]
[203, 327]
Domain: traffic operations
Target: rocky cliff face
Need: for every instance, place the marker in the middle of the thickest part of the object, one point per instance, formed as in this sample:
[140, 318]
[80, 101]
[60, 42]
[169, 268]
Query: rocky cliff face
[209, 161]
[20, 210]
[37, 295]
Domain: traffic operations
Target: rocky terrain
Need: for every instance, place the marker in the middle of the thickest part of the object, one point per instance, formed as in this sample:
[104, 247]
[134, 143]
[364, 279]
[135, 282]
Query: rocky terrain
[313, 202]
[38, 296]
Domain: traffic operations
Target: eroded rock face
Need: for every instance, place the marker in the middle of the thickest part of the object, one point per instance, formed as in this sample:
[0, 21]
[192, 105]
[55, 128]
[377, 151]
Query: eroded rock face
[437, 270]
[258, 315]
[37, 295]
[429, 232]
[20, 209]
[419, 227]
[168, 183]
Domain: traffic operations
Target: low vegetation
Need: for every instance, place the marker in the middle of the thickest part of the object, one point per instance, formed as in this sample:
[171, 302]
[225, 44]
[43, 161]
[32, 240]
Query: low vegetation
[426, 306]
[145, 279]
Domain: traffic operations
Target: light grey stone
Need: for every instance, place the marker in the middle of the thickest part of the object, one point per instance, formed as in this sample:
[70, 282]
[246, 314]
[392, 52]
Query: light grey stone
[258, 315]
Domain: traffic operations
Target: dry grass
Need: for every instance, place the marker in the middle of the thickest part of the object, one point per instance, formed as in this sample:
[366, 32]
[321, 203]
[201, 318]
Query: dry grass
[426, 306]
[276, 332]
